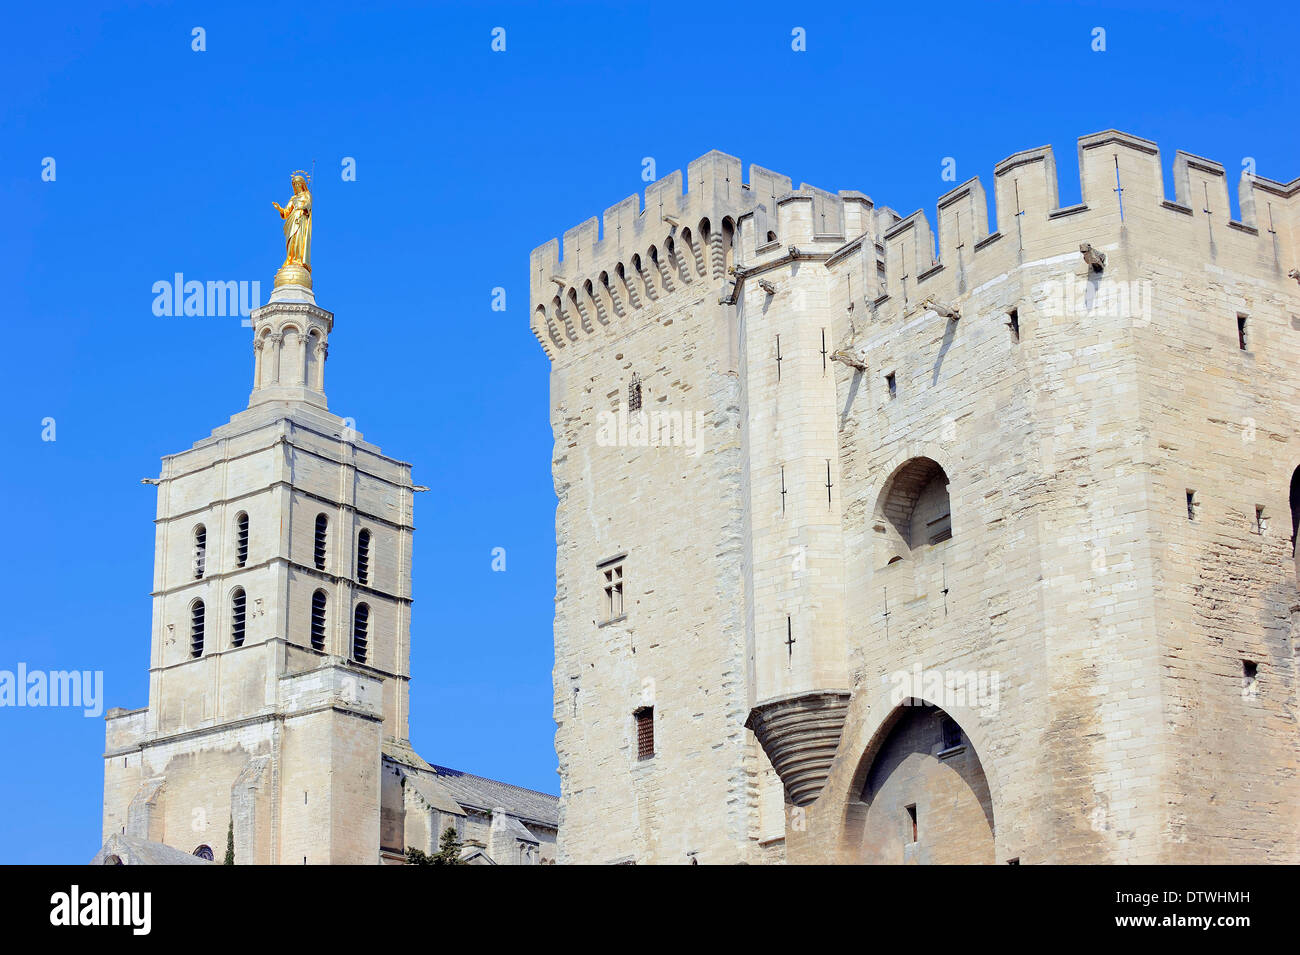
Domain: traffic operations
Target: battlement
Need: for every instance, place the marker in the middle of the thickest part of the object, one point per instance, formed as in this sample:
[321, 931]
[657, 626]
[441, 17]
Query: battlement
[1121, 188]
[633, 256]
[718, 226]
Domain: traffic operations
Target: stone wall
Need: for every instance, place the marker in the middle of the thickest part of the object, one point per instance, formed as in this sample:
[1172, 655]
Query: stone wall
[1124, 676]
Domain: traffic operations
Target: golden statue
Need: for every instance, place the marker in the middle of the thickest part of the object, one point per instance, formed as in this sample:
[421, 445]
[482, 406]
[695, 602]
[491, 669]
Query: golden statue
[297, 234]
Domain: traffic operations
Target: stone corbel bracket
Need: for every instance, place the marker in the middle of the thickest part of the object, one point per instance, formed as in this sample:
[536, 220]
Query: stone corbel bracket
[800, 735]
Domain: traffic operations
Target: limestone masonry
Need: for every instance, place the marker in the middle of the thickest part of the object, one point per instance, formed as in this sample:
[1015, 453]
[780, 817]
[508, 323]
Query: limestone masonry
[865, 555]
[279, 673]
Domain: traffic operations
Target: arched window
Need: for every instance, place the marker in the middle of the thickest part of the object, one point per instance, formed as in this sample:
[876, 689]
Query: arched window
[361, 633]
[315, 352]
[322, 525]
[200, 551]
[241, 539]
[238, 614]
[196, 629]
[363, 557]
[318, 600]
[914, 512]
[204, 852]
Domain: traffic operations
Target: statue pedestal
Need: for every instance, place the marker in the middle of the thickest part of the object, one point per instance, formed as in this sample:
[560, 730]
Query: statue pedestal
[293, 293]
[293, 275]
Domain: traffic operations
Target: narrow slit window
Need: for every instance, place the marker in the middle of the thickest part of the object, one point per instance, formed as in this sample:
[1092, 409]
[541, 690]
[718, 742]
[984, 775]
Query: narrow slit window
[361, 633]
[891, 383]
[1261, 520]
[241, 539]
[200, 551]
[1192, 505]
[645, 732]
[318, 620]
[322, 529]
[1241, 331]
[634, 393]
[1013, 323]
[911, 819]
[238, 616]
[196, 629]
[363, 557]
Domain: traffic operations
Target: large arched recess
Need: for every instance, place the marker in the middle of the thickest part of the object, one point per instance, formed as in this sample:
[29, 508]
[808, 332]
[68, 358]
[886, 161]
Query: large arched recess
[921, 798]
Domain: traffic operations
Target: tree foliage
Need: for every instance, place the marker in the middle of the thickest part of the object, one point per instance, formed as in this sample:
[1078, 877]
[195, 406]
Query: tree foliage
[448, 851]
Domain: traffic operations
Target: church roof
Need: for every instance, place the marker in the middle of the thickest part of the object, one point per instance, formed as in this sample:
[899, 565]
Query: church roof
[434, 794]
[478, 792]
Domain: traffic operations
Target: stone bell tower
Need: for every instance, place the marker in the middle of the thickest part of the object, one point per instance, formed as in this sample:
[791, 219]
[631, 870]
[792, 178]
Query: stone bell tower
[280, 645]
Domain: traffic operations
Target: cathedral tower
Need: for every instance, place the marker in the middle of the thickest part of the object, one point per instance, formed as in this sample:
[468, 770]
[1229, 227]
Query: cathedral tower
[280, 648]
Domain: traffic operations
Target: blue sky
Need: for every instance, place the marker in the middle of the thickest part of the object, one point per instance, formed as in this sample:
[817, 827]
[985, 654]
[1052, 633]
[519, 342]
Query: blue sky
[167, 160]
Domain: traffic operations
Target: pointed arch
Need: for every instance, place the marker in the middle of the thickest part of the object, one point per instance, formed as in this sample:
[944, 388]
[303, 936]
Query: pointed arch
[923, 795]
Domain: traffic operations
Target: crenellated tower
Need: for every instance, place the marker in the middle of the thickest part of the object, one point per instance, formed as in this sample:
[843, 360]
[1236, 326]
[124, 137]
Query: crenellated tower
[984, 555]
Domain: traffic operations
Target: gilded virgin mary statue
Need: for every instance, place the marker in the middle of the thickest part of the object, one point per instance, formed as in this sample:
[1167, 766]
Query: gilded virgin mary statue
[297, 234]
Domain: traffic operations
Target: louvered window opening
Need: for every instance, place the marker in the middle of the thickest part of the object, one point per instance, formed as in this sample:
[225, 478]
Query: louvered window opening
[238, 608]
[318, 620]
[361, 633]
[363, 557]
[200, 551]
[322, 525]
[196, 629]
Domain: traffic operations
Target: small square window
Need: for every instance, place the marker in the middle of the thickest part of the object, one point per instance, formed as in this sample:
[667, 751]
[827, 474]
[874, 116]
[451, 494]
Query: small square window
[645, 732]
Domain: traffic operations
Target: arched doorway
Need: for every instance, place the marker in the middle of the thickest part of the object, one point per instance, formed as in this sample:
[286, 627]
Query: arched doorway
[926, 796]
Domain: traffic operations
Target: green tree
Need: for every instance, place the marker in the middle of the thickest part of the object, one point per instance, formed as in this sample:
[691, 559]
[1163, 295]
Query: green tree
[230, 843]
[448, 851]
[448, 848]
